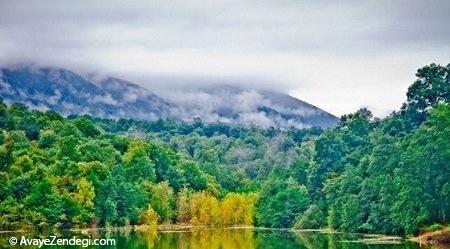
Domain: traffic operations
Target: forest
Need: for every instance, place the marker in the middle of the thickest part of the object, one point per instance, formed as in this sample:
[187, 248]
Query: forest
[367, 175]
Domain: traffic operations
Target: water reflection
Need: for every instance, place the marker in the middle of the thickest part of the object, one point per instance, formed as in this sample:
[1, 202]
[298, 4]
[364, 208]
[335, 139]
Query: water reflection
[231, 239]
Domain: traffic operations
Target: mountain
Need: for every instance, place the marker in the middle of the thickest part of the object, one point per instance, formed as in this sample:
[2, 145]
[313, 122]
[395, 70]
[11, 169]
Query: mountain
[67, 92]
[231, 104]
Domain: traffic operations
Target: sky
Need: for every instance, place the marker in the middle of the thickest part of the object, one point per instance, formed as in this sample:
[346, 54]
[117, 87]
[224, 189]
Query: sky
[337, 55]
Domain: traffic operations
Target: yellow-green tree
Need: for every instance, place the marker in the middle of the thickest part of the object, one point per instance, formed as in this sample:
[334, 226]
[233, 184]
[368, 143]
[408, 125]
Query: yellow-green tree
[84, 198]
[238, 209]
[205, 209]
[85, 194]
[183, 206]
[149, 217]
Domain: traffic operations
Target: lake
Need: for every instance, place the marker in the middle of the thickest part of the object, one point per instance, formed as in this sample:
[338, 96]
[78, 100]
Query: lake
[232, 238]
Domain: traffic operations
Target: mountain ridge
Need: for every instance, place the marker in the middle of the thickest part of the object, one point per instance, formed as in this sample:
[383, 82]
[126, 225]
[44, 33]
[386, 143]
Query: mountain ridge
[68, 93]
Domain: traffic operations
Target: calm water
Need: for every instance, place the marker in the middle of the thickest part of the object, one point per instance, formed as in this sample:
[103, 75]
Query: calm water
[231, 239]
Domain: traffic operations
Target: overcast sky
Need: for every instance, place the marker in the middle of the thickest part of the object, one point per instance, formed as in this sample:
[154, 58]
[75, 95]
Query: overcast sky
[338, 56]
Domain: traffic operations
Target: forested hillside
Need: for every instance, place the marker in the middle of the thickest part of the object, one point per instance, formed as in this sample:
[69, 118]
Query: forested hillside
[366, 175]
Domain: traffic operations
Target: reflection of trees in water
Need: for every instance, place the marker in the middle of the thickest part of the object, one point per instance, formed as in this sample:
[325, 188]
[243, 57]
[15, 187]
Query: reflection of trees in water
[149, 237]
[224, 239]
[317, 240]
[267, 239]
[206, 239]
[313, 240]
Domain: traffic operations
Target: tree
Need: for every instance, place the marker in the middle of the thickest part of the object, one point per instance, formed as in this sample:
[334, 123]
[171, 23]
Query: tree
[204, 209]
[137, 163]
[149, 218]
[431, 87]
[47, 139]
[84, 198]
[238, 209]
[312, 218]
[280, 202]
[85, 194]
[162, 200]
[21, 165]
[67, 147]
[183, 205]
[6, 119]
[86, 127]
[421, 179]
[192, 176]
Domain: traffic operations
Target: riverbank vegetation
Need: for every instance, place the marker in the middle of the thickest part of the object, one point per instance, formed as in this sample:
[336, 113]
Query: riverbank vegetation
[371, 175]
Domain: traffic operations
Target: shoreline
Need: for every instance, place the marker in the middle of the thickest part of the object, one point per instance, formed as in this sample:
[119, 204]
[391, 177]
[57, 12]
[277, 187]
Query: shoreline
[440, 237]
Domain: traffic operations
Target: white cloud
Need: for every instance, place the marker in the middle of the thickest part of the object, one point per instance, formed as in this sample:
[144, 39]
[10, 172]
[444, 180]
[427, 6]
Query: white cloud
[105, 99]
[131, 95]
[256, 118]
[52, 100]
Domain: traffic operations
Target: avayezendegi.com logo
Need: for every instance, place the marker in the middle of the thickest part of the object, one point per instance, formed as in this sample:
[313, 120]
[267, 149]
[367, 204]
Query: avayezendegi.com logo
[55, 241]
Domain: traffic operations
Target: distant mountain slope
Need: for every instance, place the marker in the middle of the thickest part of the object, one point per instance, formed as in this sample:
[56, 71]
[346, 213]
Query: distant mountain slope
[300, 111]
[232, 104]
[70, 93]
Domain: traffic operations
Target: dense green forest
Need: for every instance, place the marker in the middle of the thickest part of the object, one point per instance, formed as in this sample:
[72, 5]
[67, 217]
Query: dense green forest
[388, 175]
